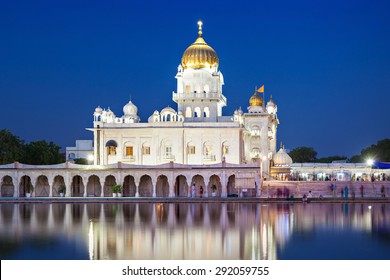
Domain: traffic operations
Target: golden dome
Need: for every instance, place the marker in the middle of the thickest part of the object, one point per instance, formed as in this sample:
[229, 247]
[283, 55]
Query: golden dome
[199, 54]
[256, 100]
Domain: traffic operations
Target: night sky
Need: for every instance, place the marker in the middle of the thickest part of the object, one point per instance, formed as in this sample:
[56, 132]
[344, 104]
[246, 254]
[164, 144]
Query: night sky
[326, 64]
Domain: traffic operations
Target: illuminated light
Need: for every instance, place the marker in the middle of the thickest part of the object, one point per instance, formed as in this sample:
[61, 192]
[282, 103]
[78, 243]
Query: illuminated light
[90, 239]
[370, 162]
[369, 207]
[90, 157]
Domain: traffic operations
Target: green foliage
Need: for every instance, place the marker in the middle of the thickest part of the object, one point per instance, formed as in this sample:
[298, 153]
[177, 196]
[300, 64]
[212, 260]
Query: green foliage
[11, 147]
[83, 161]
[42, 152]
[356, 159]
[330, 159]
[379, 152]
[116, 188]
[303, 154]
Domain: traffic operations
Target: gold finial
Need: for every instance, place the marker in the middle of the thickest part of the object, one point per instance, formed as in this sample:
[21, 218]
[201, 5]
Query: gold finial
[200, 23]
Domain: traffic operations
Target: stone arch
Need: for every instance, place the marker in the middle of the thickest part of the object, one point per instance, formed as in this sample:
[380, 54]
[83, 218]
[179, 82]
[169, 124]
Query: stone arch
[77, 187]
[129, 186]
[162, 186]
[198, 180]
[109, 182]
[215, 180]
[7, 186]
[231, 186]
[24, 182]
[145, 186]
[94, 187]
[58, 181]
[42, 187]
[181, 186]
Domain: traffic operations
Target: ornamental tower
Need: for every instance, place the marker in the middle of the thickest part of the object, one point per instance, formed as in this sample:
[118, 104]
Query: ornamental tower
[199, 83]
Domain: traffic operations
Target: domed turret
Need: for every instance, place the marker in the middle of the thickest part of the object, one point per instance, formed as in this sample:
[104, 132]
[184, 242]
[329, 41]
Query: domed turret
[255, 100]
[281, 158]
[271, 106]
[130, 109]
[98, 110]
[130, 113]
[199, 54]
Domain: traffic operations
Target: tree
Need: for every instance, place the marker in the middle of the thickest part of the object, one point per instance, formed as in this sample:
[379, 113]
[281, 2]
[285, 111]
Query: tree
[42, 153]
[81, 161]
[11, 147]
[303, 154]
[379, 152]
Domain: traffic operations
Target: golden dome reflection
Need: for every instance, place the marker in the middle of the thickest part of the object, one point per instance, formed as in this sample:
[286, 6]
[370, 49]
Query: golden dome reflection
[199, 54]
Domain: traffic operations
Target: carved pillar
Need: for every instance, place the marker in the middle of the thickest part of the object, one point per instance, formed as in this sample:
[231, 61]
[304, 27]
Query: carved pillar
[85, 183]
[171, 183]
[224, 182]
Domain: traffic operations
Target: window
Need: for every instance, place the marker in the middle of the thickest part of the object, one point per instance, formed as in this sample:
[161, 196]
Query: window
[225, 150]
[191, 150]
[146, 150]
[129, 151]
[208, 150]
[168, 152]
[111, 150]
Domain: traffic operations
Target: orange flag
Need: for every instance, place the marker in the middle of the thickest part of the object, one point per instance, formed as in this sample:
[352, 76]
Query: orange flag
[261, 89]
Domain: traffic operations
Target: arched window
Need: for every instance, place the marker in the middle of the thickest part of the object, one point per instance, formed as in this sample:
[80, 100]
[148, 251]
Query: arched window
[111, 147]
[197, 112]
[206, 112]
[188, 112]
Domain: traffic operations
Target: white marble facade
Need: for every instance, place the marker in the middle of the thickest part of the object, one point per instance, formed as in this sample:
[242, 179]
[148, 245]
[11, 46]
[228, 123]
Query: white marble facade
[194, 133]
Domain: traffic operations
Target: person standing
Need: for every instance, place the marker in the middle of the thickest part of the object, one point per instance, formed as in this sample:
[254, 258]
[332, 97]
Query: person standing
[193, 190]
[201, 191]
[383, 191]
[361, 190]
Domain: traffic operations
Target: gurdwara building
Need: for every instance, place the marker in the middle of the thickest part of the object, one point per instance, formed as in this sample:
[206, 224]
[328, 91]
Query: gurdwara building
[194, 133]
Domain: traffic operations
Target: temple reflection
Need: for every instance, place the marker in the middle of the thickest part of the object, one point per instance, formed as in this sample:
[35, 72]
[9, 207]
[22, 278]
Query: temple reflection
[185, 231]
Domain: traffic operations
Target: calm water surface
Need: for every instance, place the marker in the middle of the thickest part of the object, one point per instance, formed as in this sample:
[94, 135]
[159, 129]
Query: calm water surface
[194, 231]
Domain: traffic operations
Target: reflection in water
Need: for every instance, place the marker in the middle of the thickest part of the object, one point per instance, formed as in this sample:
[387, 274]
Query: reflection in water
[185, 230]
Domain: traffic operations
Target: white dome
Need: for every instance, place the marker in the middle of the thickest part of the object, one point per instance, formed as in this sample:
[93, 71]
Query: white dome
[167, 110]
[281, 158]
[98, 110]
[130, 109]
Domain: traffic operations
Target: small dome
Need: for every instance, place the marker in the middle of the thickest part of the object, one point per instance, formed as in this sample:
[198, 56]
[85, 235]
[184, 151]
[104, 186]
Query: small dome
[281, 158]
[130, 109]
[256, 100]
[199, 54]
[98, 110]
[168, 110]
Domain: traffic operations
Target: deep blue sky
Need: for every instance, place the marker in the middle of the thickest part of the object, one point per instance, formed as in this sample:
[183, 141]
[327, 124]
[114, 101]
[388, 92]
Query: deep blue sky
[326, 63]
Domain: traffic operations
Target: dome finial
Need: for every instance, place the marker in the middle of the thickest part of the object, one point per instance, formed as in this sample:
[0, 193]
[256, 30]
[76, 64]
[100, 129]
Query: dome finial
[200, 23]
